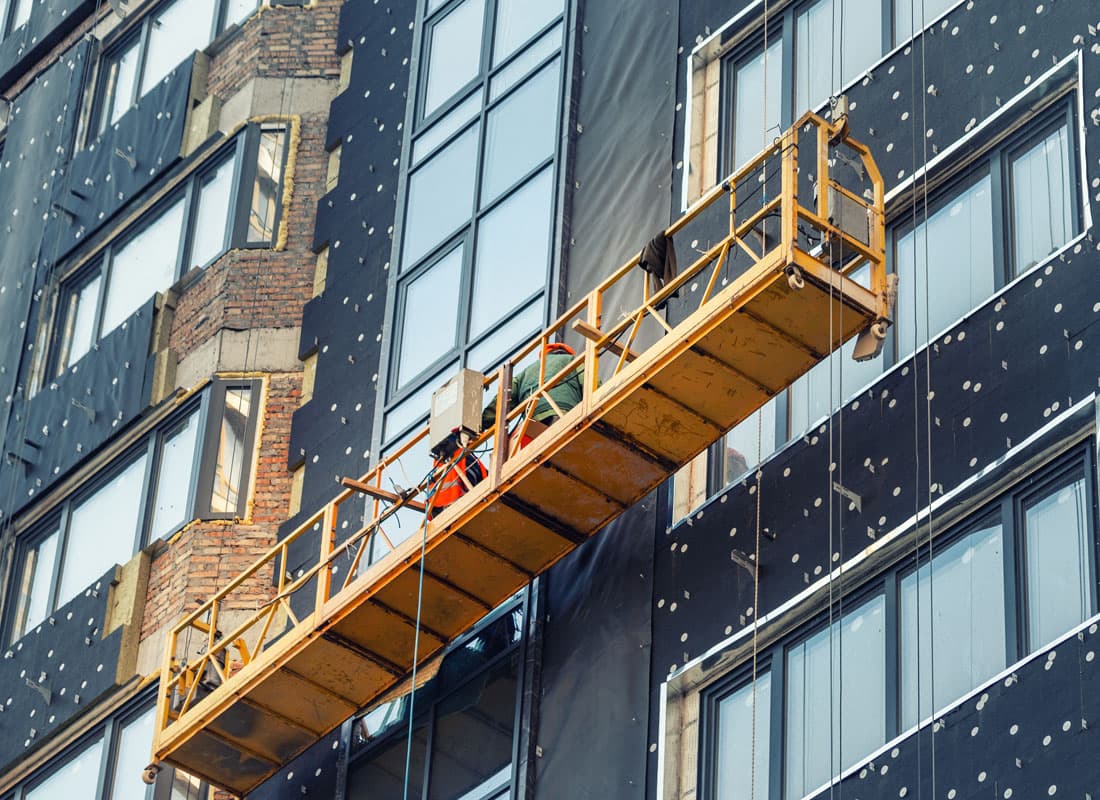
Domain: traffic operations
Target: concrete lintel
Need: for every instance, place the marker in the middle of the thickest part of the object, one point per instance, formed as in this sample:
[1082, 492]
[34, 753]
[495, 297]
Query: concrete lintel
[256, 350]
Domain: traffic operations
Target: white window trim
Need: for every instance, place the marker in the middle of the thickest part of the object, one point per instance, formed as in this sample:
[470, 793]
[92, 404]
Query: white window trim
[681, 691]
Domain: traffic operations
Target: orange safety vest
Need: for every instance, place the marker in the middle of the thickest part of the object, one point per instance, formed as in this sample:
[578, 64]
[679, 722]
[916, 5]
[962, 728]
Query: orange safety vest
[451, 486]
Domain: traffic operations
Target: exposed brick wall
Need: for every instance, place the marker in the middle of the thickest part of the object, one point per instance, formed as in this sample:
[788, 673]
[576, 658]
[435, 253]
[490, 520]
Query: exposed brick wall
[260, 288]
[282, 41]
[207, 555]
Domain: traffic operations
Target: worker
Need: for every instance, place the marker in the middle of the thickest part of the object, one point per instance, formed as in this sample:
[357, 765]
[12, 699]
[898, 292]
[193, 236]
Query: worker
[566, 393]
[455, 470]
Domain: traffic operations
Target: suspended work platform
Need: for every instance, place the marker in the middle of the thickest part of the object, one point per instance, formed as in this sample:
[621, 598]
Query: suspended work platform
[793, 268]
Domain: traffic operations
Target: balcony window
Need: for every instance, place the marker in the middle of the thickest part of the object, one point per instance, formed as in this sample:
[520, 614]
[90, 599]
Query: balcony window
[196, 465]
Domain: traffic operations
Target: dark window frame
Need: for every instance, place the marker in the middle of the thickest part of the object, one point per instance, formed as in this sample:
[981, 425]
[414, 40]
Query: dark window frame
[209, 406]
[107, 732]
[467, 233]
[138, 33]
[1079, 462]
[241, 148]
[426, 710]
[1058, 109]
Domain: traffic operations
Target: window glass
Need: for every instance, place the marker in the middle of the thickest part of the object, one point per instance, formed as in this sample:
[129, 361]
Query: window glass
[447, 126]
[32, 604]
[749, 442]
[472, 740]
[454, 57]
[383, 775]
[519, 20]
[80, 323]
[265, 190]
[122, 77]
[176, 32]
[92, 547]
[431, 316]
[492, 349]
[738, 741]
[132, 755]
[187, 787]
[952, 623]
[415, 406]
[838, 673]
[441, 196]
[22, 13]
[512, 74]
[237, 11]
[825, 62]
[1042, 204]
[512, 252]
[520, 133]
[211, 225]
[229, 470]
[1058, 548]
[907, 16]
[76, 780]
[143, 266]
[753, 80]
[954, 253]
[173, 482]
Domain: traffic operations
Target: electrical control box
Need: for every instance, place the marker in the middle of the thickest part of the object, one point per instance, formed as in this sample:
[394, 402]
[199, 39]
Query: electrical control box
[456, 405]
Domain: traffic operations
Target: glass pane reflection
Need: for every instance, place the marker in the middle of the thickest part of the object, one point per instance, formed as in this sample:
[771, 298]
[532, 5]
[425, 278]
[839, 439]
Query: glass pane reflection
[441, 196]
[229, 470]
[734, 757]
[174, 478]
[265, 190]
[212, 215]
[1042, 203]
[76, 780]
[430, 321]
[520, 133]
[519, 20]
[454, 56]
[512, 253]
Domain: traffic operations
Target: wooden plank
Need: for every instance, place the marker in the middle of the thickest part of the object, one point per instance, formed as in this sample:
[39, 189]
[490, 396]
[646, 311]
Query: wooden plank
[623, 473]
[662, 425]
[585, 510]
[262, 735]
[524, 541]
[756, 351]
[808, 313]
[471, 566]
[440, 608]
[380, 632]
[340, 670]
[710, 388]
[596, 335]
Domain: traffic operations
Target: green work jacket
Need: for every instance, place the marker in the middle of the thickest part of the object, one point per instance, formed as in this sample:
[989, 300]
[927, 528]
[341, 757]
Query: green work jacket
[566, 393]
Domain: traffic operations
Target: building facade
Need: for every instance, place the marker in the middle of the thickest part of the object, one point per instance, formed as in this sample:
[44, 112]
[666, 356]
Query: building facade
[882, 584]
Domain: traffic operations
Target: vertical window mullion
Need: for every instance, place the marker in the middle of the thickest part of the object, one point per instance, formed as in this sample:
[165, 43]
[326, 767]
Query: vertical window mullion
[787, 111]
[101, 301]
[247, 153]
[148, 487]
[59, 555]
[1015, 580]
[143, 50]
[893, 659]
[107, 757]
[1000, 196]
[777, 732]
[183, 245]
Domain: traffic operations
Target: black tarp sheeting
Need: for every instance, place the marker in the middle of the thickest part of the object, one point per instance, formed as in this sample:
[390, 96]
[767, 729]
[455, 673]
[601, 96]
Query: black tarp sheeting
[592, 724]
[48, 24]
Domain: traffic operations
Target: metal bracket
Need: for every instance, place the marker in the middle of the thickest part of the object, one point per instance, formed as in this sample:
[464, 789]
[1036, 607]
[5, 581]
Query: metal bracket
[744, 561]
[88, 410]
[848, 494]
[47, 695]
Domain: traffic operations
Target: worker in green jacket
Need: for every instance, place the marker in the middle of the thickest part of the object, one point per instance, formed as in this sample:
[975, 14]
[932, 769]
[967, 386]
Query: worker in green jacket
[566, 393]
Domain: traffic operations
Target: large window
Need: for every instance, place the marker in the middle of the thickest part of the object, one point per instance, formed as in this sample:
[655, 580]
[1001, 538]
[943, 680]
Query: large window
[155, 46]
[13, 14]
[983, 226]
[463, 730]
[106, 764]
[1018, 574]
[195, 465]
[479, 208]
[231, 203]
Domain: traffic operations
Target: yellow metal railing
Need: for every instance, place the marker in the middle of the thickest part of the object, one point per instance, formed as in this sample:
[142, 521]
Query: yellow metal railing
[225, 635]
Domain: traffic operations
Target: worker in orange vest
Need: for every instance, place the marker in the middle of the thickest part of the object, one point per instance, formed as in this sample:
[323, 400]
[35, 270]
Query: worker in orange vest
[452, 462]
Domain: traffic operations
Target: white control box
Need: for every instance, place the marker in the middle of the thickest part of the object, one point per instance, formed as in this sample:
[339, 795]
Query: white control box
[456, 405]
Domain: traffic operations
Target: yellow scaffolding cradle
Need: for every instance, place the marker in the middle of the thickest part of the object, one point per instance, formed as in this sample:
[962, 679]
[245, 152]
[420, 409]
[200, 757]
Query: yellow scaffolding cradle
[244, 689]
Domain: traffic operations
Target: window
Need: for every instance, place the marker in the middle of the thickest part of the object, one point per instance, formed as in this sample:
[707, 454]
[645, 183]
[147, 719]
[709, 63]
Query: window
[160, 42]
[191, 228]
[1003, 212]
[195, 465]
[910, 642]
[463, 730]
[106, 764]
[480, 194]
[837, 674]
[13, 14]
